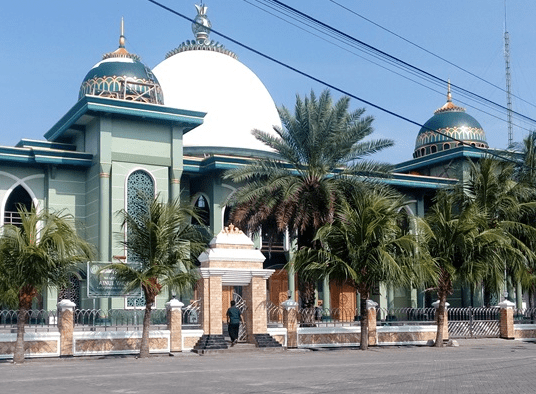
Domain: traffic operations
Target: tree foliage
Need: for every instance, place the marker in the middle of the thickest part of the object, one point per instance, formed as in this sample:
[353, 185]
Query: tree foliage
[320, 157]
[365, 245]
[39, 253]
[164, 247]
[320, 152]
[507, 203]
[466, 249]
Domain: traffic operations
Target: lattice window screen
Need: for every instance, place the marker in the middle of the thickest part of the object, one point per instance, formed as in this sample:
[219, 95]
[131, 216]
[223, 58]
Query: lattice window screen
[140, 187]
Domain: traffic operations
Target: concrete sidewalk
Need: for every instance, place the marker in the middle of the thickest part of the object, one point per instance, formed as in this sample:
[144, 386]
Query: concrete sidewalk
[476, 366]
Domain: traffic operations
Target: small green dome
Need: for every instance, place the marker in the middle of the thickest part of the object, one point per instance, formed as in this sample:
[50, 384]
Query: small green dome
[449, 121]
[122, 75]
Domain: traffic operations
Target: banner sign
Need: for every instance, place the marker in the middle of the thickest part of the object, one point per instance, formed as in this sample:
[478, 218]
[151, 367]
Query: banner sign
[101, 283]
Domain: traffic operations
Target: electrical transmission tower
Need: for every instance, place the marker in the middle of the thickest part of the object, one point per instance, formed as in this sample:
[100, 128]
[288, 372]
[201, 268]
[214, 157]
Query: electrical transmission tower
[508, 82]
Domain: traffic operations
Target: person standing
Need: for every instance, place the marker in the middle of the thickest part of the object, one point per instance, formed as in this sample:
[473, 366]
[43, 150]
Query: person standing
[234, 318]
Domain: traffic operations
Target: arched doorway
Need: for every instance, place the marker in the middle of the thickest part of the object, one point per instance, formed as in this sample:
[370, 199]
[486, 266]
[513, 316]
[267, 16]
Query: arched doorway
[17, 198]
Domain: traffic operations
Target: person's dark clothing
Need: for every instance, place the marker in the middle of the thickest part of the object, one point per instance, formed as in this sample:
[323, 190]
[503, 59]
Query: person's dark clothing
[233, 317]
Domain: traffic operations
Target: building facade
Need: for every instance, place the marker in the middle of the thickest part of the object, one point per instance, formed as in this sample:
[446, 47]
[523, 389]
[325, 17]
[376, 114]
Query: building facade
[173, 131]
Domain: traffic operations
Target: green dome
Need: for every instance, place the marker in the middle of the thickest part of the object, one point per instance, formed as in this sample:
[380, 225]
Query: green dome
[449, 121]
[123, 76]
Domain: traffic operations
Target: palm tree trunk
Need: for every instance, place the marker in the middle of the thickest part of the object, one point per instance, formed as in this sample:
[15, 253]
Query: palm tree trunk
[442, 295]
[18, 356]
[364, 294]
[26, 295]
[144, 345]
[307, 288]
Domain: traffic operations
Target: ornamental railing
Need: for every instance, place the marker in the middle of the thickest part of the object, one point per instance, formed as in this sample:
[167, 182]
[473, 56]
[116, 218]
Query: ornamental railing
[525, 316]
[192, 315]
[11, 217]
[471, 313]
[274, 313]
[38, 319]
[117, 319]
[405, 316]
[327, 317]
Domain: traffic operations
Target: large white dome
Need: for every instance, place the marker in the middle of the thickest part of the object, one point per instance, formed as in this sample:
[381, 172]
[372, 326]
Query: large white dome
[234, 98]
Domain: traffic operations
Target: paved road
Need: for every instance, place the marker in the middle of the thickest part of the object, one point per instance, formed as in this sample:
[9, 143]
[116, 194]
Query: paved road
[476, 366]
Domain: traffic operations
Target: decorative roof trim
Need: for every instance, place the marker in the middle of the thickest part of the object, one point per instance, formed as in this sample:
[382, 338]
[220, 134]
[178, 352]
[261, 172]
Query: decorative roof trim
[212, 46]
[122, 107]
[201, 27]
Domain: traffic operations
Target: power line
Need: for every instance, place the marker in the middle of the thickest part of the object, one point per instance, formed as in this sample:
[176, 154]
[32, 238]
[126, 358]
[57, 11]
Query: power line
[390, 58]
[427, 51]
[376, 63]
[318, 80]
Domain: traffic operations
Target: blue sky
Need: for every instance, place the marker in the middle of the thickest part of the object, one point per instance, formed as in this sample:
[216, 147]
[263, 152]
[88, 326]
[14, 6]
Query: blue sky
[48, 47]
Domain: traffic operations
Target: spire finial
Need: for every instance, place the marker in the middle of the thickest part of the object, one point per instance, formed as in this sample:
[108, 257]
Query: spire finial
[449, 105]
[122, 36]
[201, 26]
[121, 51]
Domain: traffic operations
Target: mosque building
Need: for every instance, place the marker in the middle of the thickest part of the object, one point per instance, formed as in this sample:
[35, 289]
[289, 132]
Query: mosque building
[173, 131]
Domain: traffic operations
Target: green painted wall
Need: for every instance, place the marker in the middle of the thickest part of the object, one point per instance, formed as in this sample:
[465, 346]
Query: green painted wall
[141, 142]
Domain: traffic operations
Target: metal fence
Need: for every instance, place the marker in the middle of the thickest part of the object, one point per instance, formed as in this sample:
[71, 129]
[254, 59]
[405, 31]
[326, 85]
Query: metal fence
[99, 319]
[405, 316]
[117, 319]
[525, 316]
[318, 317]
[192, 315]
[472, 322]
[38, 319]
[274, 313]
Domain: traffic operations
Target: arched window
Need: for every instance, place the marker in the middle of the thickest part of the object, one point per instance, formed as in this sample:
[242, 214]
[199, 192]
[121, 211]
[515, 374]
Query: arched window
[446, 146]
[18, 197]
[203, 210]
[433, 149]
[140, 188]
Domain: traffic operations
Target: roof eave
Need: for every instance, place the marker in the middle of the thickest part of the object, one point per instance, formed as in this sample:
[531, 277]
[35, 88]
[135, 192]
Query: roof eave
[92, 105]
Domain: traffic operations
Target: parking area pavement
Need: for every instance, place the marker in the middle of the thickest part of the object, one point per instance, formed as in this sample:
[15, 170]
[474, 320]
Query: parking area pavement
[476, 366]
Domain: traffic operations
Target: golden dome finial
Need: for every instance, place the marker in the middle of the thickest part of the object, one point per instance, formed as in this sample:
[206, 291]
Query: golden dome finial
[121, 51]
[449, 105]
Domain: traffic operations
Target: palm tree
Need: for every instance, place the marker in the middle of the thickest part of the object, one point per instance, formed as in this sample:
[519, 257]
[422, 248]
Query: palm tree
[465, 248]
[365, 245]
[526, 166]
[526, 174]
[507, 203]
[39, 253]
[162, 248]
[319, 157]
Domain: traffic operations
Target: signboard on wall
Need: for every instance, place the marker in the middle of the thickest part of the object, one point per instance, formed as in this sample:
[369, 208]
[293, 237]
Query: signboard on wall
[102, 283]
